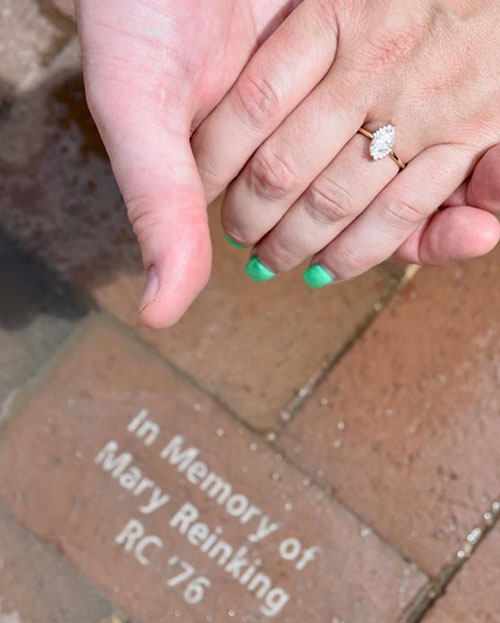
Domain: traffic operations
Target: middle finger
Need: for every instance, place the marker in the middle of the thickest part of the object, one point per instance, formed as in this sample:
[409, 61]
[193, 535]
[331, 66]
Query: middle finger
[335, 199]
[295, 154]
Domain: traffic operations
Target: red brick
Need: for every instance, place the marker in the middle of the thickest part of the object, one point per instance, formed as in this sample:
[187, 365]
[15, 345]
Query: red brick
[251, 345]
[53, 484]
[38, 585]
[405, 428]
[473, 594]
[255, 345]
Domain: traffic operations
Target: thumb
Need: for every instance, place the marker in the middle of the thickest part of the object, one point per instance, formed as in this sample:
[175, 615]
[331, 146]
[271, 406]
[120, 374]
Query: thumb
[484, 186]
[166, 206]
[140, 94]
[450, 235]
[150, 153]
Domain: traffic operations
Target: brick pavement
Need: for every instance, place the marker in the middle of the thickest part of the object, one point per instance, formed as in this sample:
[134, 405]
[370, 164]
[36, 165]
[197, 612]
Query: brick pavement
[71, 432]
[38, 585]
[84, 235]
[473, 595]
[387, 464]
[416, 400]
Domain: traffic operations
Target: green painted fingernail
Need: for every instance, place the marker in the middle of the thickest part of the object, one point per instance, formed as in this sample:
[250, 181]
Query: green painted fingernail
[317, 277]
[257, 271]
[234, 244]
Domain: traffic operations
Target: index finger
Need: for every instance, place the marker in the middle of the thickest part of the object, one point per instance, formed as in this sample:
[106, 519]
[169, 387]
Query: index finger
[278, 77]
[484, 186]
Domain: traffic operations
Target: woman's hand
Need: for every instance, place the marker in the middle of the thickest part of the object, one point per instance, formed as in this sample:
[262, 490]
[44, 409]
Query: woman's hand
[429, 67]
[154, 69]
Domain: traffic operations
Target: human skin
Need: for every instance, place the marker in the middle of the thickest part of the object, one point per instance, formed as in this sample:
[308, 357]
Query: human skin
[154, 70]
[307, 185]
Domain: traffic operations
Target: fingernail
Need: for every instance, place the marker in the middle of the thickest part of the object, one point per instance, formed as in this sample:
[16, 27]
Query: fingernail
[316, 276]
[234, 244]
[258, 271]
[151, 288]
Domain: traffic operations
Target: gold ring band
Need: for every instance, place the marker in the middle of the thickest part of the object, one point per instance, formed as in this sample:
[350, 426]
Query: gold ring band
[389, 152]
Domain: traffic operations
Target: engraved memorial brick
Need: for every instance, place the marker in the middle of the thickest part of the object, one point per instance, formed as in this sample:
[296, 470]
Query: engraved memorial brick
[177, 511]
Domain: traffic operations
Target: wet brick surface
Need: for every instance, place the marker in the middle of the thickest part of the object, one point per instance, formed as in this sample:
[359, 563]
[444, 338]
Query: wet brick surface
[251, 345]
[68, 484]
[473, 595]
[405, 428]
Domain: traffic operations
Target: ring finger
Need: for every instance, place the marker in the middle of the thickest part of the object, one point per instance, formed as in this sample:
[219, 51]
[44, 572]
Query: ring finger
[283, 167]
[335, 198]
[392, 217]
[276, 80]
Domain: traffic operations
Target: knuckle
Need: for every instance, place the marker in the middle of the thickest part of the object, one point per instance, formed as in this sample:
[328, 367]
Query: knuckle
[402, 212]
[353, 260]
[270, 176]
[283, 258]
[142, 215]
[256, 100]
[327, 202]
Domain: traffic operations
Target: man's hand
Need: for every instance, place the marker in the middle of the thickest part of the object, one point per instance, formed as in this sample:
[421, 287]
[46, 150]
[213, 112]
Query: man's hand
[154, 69]
[460, 231]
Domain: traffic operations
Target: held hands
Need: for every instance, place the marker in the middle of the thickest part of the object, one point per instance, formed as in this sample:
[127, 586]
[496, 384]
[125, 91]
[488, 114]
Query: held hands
[302, 181]
[308, 185]
[153, 70]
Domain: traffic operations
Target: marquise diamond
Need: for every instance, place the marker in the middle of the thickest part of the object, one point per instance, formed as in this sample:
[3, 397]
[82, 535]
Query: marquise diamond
[382, 142]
